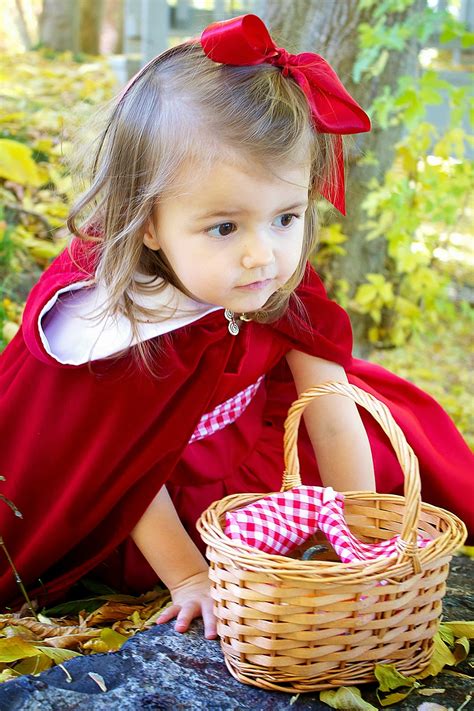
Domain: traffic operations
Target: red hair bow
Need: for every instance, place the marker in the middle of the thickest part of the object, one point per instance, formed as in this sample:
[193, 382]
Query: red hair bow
[245, 40]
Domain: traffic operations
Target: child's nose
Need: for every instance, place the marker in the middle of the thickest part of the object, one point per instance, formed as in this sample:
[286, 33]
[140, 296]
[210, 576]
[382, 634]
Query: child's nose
[258, 252]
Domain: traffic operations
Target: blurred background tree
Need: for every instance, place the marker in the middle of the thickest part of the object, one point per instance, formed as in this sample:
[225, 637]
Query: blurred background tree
[400, 262]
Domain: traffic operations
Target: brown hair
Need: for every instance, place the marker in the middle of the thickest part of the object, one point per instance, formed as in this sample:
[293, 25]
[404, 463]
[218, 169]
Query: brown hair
[182, 106]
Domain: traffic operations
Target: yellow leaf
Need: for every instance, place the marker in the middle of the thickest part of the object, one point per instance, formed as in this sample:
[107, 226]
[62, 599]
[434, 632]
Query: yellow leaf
[8, 674]
[394, 682]
[430, 692]
[467, 550]
[390, 678]
[16, 163]
[34, 665]
[460, 629]
[442, 656]
[57, 655]
[346, 698]
[44, 250]
[461, 649]
[10, 330]
[112, 639]
[14, 648]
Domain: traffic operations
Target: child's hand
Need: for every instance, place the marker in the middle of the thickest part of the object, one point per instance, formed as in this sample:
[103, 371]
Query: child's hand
[191, 599]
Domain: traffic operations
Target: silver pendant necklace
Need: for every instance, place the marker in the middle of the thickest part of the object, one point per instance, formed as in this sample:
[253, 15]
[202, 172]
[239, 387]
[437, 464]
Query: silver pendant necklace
[233, 325]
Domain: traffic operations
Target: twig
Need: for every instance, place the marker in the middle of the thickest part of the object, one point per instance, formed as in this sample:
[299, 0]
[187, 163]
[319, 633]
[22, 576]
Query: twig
[17, 577]
[466, 701]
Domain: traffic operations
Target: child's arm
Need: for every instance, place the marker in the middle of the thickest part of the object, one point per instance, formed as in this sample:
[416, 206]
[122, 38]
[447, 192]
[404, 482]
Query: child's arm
[163, 540]
[334, 425]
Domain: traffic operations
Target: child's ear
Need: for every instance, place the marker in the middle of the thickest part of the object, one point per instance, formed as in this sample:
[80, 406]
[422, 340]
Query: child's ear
[150, 238]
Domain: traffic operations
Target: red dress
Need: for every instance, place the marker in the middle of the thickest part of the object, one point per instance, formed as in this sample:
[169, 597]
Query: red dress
[84, 450]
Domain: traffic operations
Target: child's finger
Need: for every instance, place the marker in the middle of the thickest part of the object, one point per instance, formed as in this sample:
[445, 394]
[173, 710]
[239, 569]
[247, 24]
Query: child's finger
[209, 619]
[168, 614]
[188, 613]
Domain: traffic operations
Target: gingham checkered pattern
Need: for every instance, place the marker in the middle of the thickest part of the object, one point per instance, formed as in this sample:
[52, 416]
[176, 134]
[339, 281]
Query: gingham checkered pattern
[225, 413]
[280, 522]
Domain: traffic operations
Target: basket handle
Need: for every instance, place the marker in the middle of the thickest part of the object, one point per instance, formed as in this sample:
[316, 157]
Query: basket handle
[381, 413]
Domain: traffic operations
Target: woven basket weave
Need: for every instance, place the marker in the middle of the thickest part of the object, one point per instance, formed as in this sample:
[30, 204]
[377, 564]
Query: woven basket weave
[300, 625]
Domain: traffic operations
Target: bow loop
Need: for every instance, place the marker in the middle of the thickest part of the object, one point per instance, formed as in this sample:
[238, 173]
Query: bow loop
[245, 40]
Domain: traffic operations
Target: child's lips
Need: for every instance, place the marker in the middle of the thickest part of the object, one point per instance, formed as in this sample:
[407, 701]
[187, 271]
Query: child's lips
[255, 285]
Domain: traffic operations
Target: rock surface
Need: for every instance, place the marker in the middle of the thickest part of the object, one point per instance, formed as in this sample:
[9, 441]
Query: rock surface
[162, 670]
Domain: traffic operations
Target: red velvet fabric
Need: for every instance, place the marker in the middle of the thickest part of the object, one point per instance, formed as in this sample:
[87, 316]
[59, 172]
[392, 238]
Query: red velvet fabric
[84, 451]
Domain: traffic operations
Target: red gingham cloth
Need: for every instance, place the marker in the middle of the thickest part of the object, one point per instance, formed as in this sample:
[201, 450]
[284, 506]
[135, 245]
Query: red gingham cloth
[225, 413]
[280, 522]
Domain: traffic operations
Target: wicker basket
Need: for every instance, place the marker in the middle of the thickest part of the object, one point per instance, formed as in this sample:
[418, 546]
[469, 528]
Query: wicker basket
[300, 625]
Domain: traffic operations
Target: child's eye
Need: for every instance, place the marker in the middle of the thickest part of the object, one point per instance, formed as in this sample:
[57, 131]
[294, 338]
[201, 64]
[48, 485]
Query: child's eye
[224, 229]
[288, 218]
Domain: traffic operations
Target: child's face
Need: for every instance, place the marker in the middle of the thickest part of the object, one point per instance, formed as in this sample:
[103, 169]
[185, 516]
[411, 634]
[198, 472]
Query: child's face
[235, 235]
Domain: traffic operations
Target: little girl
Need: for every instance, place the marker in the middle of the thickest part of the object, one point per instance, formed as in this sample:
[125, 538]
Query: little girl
[160, 352]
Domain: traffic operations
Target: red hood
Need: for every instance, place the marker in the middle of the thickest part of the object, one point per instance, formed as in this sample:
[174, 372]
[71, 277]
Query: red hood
[63, 271]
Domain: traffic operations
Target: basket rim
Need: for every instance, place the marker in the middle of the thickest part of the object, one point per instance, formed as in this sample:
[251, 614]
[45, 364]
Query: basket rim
[243, 555]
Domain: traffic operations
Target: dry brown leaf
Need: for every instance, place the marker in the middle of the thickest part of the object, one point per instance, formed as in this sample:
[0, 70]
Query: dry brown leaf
[70, 641]
[18, 631]
[125, 627]
[110, 611]
[42, 630]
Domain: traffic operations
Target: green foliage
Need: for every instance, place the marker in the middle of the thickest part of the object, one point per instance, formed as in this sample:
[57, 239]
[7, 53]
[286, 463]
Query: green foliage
[44, 97]
[440, 362]
[423, 201]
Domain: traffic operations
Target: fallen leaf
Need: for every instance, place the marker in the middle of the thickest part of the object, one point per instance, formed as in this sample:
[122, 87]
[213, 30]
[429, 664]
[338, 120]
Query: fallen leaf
[43, 630]
[346, 698]
[14, 648]
[393, 685]
[68, 641]
[461, 649]
[58, 655]
[462, 628]
[442, 656]
[430, 692]
[466, 550]
[8, 674]
[112, 639]
[99, 680]
[34, 665]
[390, 678]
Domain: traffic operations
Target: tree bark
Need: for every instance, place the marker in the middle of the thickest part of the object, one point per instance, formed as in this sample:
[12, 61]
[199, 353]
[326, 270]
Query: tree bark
[330, 29]
[91, 14]
[59, 25]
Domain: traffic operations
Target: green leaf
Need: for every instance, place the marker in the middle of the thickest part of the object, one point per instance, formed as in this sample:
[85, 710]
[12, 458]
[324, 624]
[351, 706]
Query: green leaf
[14, 648]
[346, 698]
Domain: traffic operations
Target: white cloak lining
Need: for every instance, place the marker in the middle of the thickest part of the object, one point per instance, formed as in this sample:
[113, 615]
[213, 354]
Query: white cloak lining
[71, 340]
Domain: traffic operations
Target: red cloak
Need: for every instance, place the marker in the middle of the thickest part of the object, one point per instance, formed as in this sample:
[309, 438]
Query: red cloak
[84, 453]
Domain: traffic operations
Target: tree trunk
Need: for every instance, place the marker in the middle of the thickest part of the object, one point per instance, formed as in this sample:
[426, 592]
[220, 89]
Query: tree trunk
[59, 25]
[330, 29]
[91, 14]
